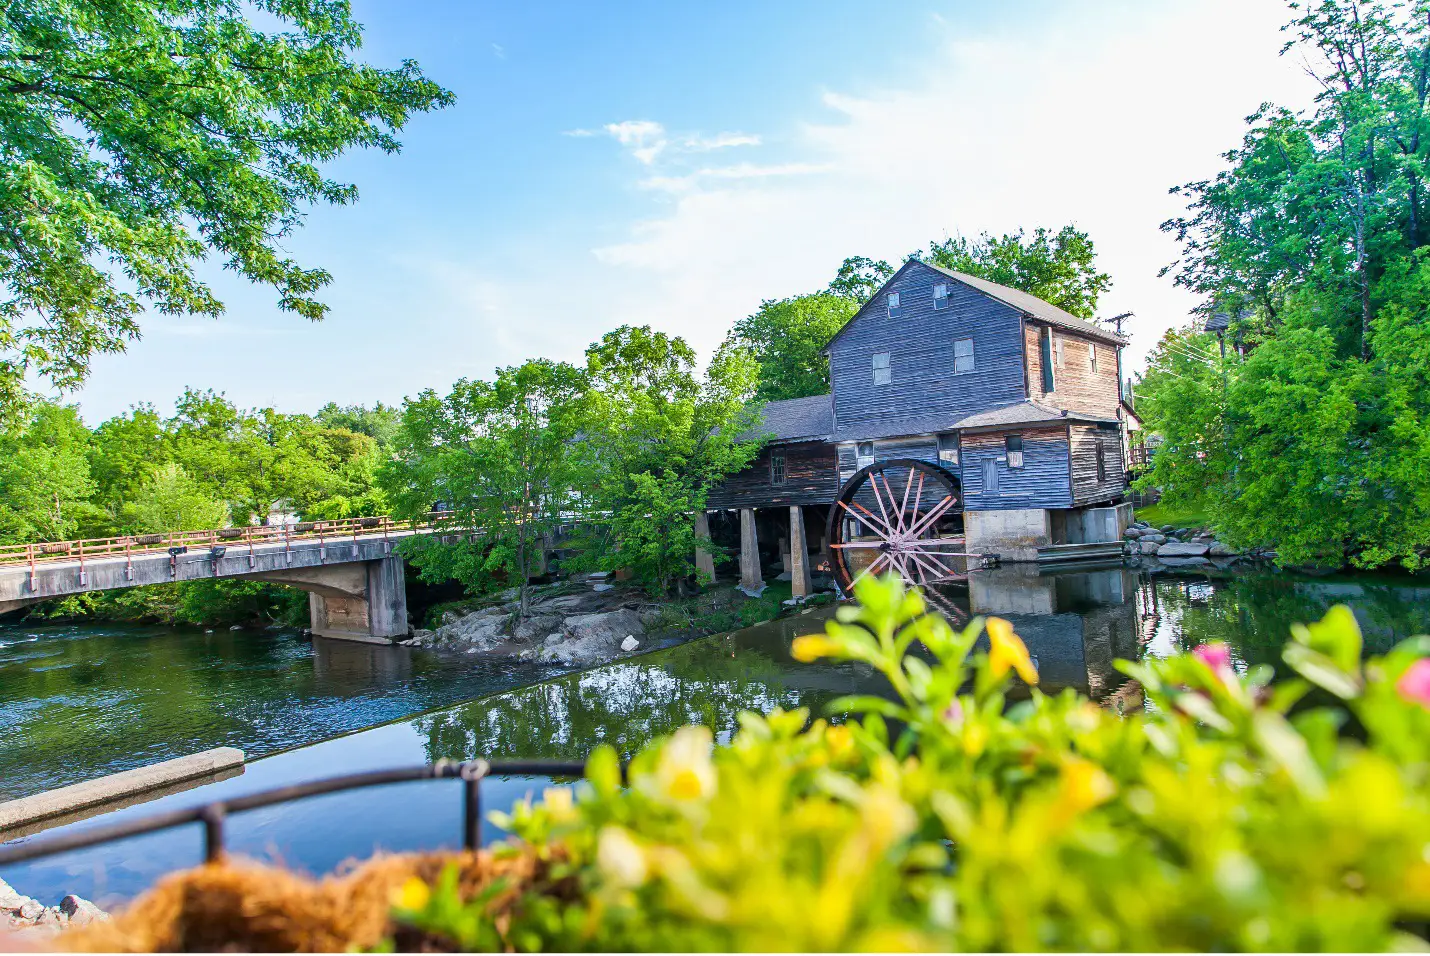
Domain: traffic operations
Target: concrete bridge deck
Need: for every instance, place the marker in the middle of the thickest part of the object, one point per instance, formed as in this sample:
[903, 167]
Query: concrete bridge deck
[355, 583]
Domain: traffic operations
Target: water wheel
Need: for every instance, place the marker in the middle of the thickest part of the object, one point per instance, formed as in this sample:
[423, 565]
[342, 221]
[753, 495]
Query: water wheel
[902, 515]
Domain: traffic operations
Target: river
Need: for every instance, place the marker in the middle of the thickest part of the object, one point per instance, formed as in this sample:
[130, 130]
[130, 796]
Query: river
[77, 702]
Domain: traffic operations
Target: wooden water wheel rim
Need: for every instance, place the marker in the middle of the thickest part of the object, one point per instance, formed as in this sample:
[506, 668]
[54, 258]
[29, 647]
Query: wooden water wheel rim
[901, 535]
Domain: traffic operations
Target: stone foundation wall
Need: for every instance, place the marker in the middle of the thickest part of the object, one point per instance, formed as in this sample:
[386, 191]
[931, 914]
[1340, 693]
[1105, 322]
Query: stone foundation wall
[1012, 535]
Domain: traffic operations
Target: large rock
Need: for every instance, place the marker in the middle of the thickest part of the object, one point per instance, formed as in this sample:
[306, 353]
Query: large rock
[538, 625]
[1168, 528]
[1182, 549]
[1219, 549]
[80, 911]
[1148, 546]
[1188, 562]
[1155, 537]
[593, 638]
[9, 899]
[1132, 533]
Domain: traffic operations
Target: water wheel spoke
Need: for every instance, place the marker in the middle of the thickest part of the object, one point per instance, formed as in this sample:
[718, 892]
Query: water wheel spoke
[896, 529]
[888, 533]
[908, 486]
[933, 515]
[857, 544]
[927, 562]
[895, 506]
[879, 500]
[874, 565]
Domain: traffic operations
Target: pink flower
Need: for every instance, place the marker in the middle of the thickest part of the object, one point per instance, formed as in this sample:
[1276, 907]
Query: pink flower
[1414, 684]
[953, 713]
[1217, 655]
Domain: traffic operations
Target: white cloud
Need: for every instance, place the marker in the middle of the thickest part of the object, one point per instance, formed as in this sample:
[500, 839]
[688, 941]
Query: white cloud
[644, 138]
[702, 144]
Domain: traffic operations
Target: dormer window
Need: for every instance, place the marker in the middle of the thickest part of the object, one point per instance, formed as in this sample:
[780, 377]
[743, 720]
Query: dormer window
[882, 375]
[893, 305]
[940, 295]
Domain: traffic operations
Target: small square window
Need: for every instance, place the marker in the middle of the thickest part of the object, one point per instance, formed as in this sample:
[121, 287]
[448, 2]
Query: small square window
[940, 296]
[1092, 357]
[962, 356]
[948, 448]
[1013, 444]
[777, 469]
[882, 374]
[893, 305]
[864, 453]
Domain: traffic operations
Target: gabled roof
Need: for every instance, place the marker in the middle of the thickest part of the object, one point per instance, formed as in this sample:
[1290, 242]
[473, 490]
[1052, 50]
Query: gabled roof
[1024, 413]
[1013, 298]
[796, 419]
[1032, 305]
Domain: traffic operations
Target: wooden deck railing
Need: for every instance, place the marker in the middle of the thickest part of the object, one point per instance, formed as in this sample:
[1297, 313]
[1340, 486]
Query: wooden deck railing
[248, 536]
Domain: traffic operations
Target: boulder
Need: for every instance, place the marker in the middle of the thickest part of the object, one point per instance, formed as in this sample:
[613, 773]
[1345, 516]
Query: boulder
[80, 911]
[602, 587]
[29, 910]
[1218, 549]
[1147, 546]
[608, 626]
[1132, 533]
[9, 899]
[1182, 549]
[1168, 528]
[535, 626]
[1155, 537]
[1187, 562]
[630, 643]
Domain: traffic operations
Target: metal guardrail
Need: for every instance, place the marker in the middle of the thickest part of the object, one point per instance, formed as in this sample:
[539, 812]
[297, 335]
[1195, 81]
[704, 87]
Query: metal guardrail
[40, 553]
[214, 815]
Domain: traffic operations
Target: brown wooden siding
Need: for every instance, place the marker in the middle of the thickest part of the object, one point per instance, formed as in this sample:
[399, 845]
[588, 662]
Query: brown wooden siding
[811, 478]
[1085, 441]
[1075, 386]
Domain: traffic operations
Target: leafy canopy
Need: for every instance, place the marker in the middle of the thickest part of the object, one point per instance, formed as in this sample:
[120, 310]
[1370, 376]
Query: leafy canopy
[139, 137]
[1059, 268]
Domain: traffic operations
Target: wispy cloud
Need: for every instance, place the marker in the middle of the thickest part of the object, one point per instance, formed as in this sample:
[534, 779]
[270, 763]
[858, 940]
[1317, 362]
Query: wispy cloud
[644, 138]
[499, 51]
[676, 184]
[703, 144]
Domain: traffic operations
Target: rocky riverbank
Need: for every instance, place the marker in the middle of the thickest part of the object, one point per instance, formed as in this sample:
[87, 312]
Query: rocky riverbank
[1182, 547]
[23, 915]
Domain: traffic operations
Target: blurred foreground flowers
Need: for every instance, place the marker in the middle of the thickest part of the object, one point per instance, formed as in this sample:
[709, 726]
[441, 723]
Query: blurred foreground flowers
[942, 818]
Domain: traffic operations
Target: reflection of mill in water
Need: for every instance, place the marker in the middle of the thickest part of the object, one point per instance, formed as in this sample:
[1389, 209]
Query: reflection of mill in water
[1075, 623]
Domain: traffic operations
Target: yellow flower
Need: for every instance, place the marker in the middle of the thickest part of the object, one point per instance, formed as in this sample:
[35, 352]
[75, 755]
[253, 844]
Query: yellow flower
[412, 895]
[685, 771]
[619, 858]
[559, 802]
[840, 740]
[1008, 652]
[886, 817]
[1085, 785]
[811, 647]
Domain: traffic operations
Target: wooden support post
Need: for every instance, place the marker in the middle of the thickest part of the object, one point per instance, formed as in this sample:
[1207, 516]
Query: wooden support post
[798, 554]
[750, 580]
[704, 559]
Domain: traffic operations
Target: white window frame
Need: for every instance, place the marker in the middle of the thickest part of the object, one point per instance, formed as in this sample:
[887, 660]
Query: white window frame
[861, 460]
[1015, 458]
[940, 295]
[1092, 357]
[886, 366]
[948, 448]
[893, 301]
[1060, 356]
[972, 356]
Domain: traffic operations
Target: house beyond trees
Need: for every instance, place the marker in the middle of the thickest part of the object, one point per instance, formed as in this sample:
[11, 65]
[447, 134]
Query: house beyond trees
[1017, 400]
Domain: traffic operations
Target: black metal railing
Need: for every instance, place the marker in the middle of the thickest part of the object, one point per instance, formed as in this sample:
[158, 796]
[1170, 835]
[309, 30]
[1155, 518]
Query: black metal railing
[214, 815]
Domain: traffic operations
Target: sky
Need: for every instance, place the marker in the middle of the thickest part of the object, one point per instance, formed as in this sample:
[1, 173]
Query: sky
[675, 164]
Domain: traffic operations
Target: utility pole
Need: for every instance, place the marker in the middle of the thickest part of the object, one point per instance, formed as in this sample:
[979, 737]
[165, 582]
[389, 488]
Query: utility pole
[1117, 321]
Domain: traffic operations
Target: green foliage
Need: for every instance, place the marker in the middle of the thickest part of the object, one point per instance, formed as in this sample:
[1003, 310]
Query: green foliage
[45, 482]
[1219, 820]
[496, 455]
[787, 338]
[172, 501]
[139, 136]
[1313, 242]
[655, 439]
[1059, 268]
[859, 277]
[213, 602]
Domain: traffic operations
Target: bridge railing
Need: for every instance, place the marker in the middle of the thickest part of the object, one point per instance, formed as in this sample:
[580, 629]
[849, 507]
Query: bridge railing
[247, 536]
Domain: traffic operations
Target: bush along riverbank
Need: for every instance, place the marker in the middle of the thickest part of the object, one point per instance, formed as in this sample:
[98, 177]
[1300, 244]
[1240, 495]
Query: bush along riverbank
[1231, 815]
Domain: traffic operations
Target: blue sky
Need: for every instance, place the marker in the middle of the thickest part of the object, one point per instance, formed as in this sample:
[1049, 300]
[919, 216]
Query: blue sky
[675, 163]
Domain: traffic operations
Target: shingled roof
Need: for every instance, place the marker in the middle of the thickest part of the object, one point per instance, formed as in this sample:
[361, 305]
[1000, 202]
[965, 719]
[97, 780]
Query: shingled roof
[1023, 413]
[1032, 305]
[797, 419]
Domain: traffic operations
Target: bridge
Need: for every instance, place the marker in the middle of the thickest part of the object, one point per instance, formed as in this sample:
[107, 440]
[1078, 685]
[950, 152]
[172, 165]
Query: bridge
[355, 583]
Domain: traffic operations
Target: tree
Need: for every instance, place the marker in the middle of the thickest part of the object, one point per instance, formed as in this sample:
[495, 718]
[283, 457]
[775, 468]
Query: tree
[496, 455]
[859, 277]
[1059, 268]
[138, 137]
[45, 485]
[787, 339]
[381, 423]
[656, 439]
[172, 501]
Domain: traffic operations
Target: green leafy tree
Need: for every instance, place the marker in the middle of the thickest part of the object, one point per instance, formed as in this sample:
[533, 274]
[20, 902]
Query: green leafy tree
[787, 339]
[138, 137]
[45, 484]
[1059, 268]
[496, 455]
[859, 277]
[381, 423]
[173, 501]
[656, 439]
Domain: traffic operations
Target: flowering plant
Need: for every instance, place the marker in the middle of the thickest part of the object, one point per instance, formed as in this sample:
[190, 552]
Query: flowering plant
[1235, 814]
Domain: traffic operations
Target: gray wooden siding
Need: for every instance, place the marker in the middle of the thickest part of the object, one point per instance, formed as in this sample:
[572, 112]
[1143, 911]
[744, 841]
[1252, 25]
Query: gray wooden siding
[811, 477]
[924, 395]
[922, 447]
[1085, 441]
[1042, 482]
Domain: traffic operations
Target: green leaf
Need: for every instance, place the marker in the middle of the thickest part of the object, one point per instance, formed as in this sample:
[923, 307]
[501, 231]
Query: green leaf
[1321, 670]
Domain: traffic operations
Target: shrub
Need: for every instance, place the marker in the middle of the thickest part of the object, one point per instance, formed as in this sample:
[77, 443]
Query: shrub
[1233, 815]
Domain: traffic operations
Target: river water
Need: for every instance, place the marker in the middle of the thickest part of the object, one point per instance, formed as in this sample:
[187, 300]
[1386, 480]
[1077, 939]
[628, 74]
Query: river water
[77, 702]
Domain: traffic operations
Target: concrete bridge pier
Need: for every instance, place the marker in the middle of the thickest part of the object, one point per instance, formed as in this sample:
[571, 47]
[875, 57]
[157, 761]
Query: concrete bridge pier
[357, 601]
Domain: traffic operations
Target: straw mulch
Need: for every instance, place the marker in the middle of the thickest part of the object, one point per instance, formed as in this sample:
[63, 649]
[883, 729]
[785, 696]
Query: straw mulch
[238, 906]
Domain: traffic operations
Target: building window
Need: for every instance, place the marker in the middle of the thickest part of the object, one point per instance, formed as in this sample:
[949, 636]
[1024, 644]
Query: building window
[990, 476]
[1101, 464]
[948, 448]
[881, 368]
[864, 454]
[1013, 444]
[893, 305]
[1045, 351]
[940, 296]
[962, 356]
[1092, 357]
[1058, 344]
[777, 468]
